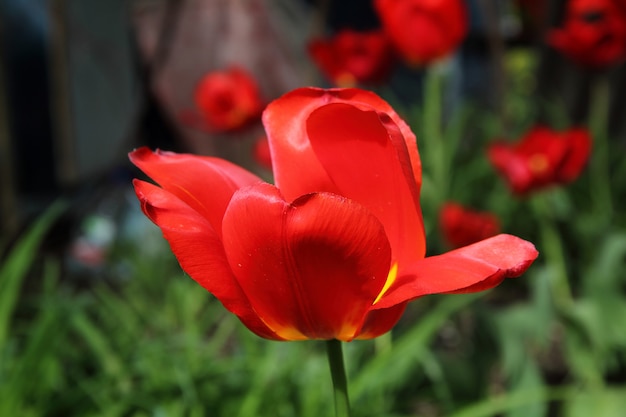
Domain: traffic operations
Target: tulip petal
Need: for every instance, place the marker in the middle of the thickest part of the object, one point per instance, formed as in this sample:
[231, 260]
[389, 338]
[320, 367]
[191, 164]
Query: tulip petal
[511, 166]
[365, 157]
[199, 251]
[296, 168]
[312, 268]
[579, 149]
[378, 322]
[472, 268]
[204, 183]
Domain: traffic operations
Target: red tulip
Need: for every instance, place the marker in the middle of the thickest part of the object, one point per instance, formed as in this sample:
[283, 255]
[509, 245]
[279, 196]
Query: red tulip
[593, 33]
[542, 158]
[462, 226]
[336, 249]
[352, 57]
[225, 101]
[423, 30]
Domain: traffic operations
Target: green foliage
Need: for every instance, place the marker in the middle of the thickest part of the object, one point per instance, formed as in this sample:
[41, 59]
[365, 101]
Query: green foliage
[14, 268]
[24, 362]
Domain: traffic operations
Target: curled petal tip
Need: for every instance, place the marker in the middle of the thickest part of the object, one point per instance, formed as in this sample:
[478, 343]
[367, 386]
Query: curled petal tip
[511, 254]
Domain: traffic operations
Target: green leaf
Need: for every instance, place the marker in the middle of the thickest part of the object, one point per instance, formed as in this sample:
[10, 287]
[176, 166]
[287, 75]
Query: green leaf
[509, 401]
[14, 268]
[597, 403]
[391, 367]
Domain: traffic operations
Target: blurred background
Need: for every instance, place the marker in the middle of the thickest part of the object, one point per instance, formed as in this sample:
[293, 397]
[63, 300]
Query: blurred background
[85, 82]
[96, 318]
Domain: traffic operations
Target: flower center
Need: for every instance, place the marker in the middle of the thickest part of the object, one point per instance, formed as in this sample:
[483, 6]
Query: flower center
[538, 163]
[391, 278]
[346, 80]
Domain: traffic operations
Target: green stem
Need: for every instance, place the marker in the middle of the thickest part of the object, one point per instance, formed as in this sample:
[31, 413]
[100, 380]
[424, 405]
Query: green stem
[433, 132]
[383, 343]
[600, 172]
[338, 374]
[554, 253]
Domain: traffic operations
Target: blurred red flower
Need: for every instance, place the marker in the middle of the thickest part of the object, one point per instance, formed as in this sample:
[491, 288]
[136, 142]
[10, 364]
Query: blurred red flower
[261, 152]
[225, 100]
[543, 157]
[593, 33]
[352, 57]
[462, 226]
[336, 249]
[423, 30]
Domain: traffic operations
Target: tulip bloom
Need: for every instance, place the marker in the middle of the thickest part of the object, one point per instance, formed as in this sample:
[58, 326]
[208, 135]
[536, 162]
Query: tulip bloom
[225, 101]
[462, 226]
[423, 31]
[542, 158]
[335, 250]
[352, 57]
[593, 33]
